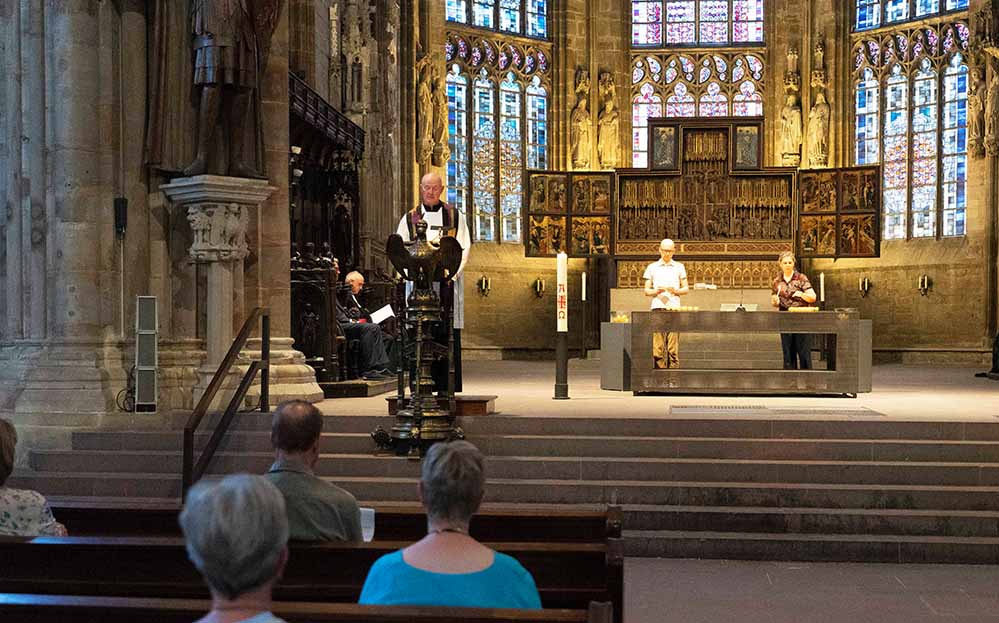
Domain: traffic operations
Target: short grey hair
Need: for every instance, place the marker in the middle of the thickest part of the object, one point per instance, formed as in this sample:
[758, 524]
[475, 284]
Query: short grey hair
[236, 530]
[783, 254]
[353, 276]
[453, 479]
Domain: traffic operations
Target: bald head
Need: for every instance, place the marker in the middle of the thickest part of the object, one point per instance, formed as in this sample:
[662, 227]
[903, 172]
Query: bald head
[666, 249]
[431, 187]
[296, 426]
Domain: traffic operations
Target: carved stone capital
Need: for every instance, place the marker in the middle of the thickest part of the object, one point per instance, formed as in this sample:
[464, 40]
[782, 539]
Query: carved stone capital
[218, 211]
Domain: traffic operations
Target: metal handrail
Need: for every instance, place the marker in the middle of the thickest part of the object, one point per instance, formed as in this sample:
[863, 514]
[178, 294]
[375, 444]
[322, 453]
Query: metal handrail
[192, 472]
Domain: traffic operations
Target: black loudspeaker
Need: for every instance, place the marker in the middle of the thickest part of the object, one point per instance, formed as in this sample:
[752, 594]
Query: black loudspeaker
[120, 216]
[146, 353]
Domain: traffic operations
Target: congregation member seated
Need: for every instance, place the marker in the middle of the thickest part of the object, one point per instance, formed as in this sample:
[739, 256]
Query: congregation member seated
[22, 512]
[236, 533]
[448, 567]
[317, 510]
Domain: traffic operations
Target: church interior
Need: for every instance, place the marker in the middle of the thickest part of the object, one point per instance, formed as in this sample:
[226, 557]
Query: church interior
[194, 190]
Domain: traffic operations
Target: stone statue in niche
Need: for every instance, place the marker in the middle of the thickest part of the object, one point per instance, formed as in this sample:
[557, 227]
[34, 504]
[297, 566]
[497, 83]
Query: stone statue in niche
[818, 131]
[976, 114]
[818, 116]
[790, 131]
[992, 117]
[581, 137]
[790, 115]
[442, 152]
[424, 112]
[609, 122]
[231, 42]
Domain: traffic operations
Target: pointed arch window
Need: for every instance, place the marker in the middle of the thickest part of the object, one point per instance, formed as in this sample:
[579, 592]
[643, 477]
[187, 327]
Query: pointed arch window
[499, 106]
[910, 115]
[646, 104]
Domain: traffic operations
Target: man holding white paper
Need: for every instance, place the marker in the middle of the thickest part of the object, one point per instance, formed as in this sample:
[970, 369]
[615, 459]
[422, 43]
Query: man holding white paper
[356, 325]
[666, 282]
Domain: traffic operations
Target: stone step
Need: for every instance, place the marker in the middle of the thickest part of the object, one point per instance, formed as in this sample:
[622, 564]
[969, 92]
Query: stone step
[595, 445]
[812, 520]
[828, 424]
[812, 547]
[772, 495]
[555, 468]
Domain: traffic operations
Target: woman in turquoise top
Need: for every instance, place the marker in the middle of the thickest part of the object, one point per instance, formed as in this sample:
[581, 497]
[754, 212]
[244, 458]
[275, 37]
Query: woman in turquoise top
[448, 567]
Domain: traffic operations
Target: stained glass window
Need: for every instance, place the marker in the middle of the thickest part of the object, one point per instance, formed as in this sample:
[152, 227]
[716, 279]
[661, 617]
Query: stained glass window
[537, 125]
[955, 147]
[873, 13]
[715, 84]
[484, 158]
[522, 17]
[537, 18]
[646, 22]
[646, 104]
[457, 11]
[499, 116]
[910, 103]
[457, 166]
[696, 22]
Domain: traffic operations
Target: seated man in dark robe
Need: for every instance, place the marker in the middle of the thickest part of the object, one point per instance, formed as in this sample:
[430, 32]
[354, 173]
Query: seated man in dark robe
[356, 324]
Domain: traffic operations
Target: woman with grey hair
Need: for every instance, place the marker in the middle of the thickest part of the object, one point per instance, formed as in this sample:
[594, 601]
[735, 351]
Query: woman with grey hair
[793, 289]
[237, 536]
[448, 567]
[22, 512]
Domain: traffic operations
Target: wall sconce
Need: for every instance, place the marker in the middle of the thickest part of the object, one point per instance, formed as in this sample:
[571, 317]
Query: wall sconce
[539, 287]
[923, 284]
[485, 284]
[864, 285]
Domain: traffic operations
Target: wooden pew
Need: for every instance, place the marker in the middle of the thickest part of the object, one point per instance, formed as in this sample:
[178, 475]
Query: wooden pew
[24, 608]
[393, 521]
[568, 575]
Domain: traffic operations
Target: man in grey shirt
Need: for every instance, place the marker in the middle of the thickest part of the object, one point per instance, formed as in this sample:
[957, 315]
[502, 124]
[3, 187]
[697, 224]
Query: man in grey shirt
[317, 510]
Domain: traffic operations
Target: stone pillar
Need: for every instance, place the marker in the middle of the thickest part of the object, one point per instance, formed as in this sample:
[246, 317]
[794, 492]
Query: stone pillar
[218, 209]
[269, 283]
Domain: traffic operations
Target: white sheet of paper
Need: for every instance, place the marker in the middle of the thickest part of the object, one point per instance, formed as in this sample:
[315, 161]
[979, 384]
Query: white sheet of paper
[382, 314]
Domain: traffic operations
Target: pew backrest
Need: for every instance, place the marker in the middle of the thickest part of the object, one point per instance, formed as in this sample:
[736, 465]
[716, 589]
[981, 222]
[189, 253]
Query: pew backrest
[35, 608]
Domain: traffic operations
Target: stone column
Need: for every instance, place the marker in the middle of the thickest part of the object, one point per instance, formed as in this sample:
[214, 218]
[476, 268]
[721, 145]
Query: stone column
[269, 283]
[218, 209]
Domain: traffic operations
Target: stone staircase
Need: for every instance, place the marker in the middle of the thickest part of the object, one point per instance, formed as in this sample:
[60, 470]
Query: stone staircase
[750, 483]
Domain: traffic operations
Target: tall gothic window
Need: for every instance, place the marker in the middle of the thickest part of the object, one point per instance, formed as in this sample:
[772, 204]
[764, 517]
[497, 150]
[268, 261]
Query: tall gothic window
[910, 102]
[520, 17]
[715, 84]
[875, 13]
[498, 102]
[669, 23]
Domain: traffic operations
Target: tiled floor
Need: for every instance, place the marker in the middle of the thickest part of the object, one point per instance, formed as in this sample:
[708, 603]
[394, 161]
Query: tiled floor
[720, 591]
[526, 388]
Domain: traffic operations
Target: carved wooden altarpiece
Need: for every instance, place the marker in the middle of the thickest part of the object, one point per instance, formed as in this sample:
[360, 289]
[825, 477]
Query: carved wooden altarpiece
[706, 189]
[569, 212]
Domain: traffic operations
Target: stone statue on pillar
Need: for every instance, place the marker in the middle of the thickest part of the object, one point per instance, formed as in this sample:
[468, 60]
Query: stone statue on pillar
[609, 123]
[790, 116]
[581, 136]
[992, 116]
[231, 41]
[818, 117]
[976, 112]
[424, 112]
[442, 151]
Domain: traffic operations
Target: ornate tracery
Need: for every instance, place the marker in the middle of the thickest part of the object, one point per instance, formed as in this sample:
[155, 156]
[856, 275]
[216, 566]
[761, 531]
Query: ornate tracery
[911, 92]
[712, 84]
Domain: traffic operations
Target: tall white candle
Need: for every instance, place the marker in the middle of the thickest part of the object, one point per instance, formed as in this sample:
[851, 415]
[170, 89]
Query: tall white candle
[822, 287]
[584, 287]
[562, 293]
